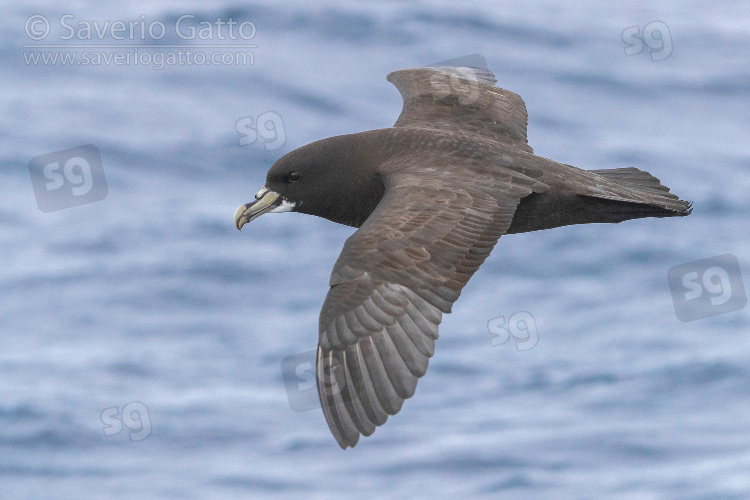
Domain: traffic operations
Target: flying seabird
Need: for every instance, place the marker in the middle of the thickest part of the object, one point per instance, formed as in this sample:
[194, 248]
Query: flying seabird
[430, 196]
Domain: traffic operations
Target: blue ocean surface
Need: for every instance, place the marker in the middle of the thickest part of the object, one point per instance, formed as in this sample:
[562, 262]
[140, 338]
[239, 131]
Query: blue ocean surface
[142, 336]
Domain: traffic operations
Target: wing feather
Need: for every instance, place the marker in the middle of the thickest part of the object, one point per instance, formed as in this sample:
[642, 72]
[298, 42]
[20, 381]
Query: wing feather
[461, 100]
[394, 279]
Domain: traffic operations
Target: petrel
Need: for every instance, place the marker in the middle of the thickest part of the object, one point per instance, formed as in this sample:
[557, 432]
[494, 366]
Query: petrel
[430, 197]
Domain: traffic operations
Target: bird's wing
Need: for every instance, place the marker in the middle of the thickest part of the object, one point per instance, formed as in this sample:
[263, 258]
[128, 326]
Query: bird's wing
[396, 275]
[461, 100]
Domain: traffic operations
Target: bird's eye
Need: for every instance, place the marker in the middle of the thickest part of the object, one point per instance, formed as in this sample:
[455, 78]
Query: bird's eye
[294, 177]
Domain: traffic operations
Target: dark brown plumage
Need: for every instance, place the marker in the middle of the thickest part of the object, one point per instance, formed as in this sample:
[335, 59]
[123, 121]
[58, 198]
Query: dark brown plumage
[430, 196]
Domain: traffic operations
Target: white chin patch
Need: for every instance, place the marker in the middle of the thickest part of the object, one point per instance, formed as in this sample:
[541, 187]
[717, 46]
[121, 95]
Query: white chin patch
[286, 206]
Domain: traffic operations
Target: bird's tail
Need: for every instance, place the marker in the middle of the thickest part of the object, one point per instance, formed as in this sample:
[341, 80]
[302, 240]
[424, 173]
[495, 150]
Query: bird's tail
[645, 190]
[613, 195]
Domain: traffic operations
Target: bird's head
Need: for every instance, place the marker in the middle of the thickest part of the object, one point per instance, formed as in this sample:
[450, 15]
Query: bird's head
[327, 178]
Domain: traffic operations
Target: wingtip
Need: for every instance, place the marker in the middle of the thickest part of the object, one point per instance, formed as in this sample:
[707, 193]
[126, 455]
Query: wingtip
[343, 441]
[344, 445]
[688, 208]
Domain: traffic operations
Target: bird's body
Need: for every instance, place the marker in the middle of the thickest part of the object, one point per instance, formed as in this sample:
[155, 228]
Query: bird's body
[430, 196]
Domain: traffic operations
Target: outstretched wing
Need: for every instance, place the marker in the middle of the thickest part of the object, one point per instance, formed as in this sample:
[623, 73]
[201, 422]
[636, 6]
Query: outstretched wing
[461, 100]
[394, 279]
